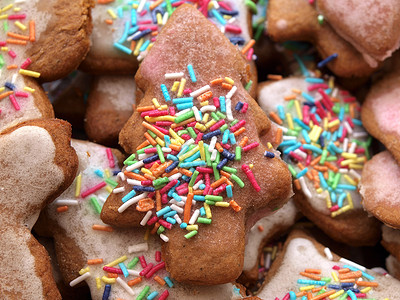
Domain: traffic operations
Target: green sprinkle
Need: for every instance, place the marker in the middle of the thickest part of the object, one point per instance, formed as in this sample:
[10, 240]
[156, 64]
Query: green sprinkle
[234, 122]
[111, 182]
[223, 128]
[169, 8]
[321, 292]
[193, 178]
[185, 116]
[336, 180]
[160, 153]
[344, 296]
[331, 176]
[248, 85]
[221, 115]
[208, 156]
[191, 234]
[192, 133]
[237, 180]
[215, 116]
[160, 181]
[331, 158]
[209, 202]
[132, 263]
[292, 170]
[214, 198]
[252, 6]
[290, 104]
[1, 61]
[259, 31]
[95, 204]
[131, 157]
[320, 19]
[238, 153]
[128, 163]
[203, 220]
[216, 172]
[160, 229]
[347, 108]
[217, 159]
[292, 132]
[229, 169]
[336, 108]
[326, 279]
[146, 288]
[152, 134]
[141, 151]
[323, 156]
[5, 26]
[180, 132]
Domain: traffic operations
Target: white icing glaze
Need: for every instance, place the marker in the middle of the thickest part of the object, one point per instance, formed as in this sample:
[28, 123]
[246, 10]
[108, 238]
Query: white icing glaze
[28, 154]
[121, 91]
[390, 235]
[77, 223]
[272, 95]
[302, 254]
[283, 218]
[9, 116]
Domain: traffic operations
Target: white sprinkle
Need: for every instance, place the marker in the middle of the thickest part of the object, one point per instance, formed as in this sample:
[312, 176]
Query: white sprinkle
[231, 92]
[80, 279]
[289, 137]
[128, 203]
[196, 186]
[213, 155]
[345, 144]
[328, 253]
[137, 165]
[268, 261]
[133, 272]
[335, 92]
[343, 171]
[165, 18]
[188, 142]
[349, 262]
[119, 190]
[215, 4]
[175, 176]
[196, 114]
[125, 286]
[212, 144]
[194, 217]
[67, 202]
[300, 153]
[178, 220]
[173, 201]
[121, 175]
[166, 149]
[200, 91]
[208, 108]
[164, 238]
[141, 5]
[101, 199]
[360, 134]
[182, 112]
[142, 247]
[228, 105]
[352, 147]
[144, 155]
[348, 127]
[146, 217]
[176, 208]
[133, 182]
[355, 174]
[13, 78]
[178, 75]
[231, 20]
[284, 129]
[304, 187]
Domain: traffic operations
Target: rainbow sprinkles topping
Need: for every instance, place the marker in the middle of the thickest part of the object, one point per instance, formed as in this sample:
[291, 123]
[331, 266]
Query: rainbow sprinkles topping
[186, 156]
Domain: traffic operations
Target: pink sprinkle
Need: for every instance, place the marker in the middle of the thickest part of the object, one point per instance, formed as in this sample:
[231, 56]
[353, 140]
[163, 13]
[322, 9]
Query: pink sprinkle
[349, 99]
[151, 195]
[176, 4]
[207, 179]
[172, 111]
[93, 189]
[308, 160]
[334, 208]
[317, 86]
[17, 17]
[199, 137]
[185, 136]
[164, 123]
[360, 295]
[176, 129]
[226, 146]
[144, 22]
[165, 224]
[21, 94]
[216, 102]
[206, 190]
[236, 126]
[143, 12]
[220, 189]
[350, 121]
[327, 101]
[210, 191]
[246, 169]
[306, 114]
[224, 5]
[158, 256]
[143, 262]
[26, 63]
[344, 134]
[295, 156]
[170, 184]
[152, 221]
[2, 44]
[152, 27]
[156, 268]
[218, 125]
[14, 102]
[244, 108]
[314, 119]
[192, 124]
[164, 198]
[287, 296]
[204, 170]
[12, 54]
[146, 183]
[344, 93]
[182, 186]
[164, 295]
[200, 177]
[359, 150]
[146, 269]
[110, 158]
[187, 91]
[233, 29]
[250, 146]
[112, 270]
[250, 54]
[150, 150]
[162, 130]
[336, 268]
[153, 39]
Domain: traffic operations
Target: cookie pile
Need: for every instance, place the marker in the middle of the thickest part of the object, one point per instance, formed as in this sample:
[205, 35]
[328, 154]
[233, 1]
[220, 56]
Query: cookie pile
[201, 163]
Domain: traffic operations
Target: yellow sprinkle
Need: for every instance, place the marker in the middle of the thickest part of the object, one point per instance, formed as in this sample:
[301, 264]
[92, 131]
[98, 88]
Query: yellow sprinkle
[17, 9]
[340, 211]
[155, 102]
[347, 162]
[7, 7]
[29, 73]
[350, 200]
[201, 148]
[109, 189]
[146, 171]
[161, 118]
[176, 137]
[319, 190]
[98, 283]
[137, 48]
[318, 132]
[205, 118]
[337, 294]
[331, 82]
[366, 290]
[117, 261]
[135, 5]
[269, 145]
[29, 89]
[210, 123]
[348, 155]
[334, 276]
[83, 271]
[274, 252]
[298, 109]
[163, 107]
[361, 159]
[181, 87]
[229, 80]
[78, 185]
[2, 89]
[349, 179]
[175, 142]
[222, 204]
[307, 288]
[20, 25]
[334, 123]
[328, 201]
[204, 103]
[200, 127]
[355, 166]
[147, 234]
[149, 46]
[111, 13]
[108, 280]
[3, 17]
[289, 120]
[208, 210]
[107, 172]
[160, 142]
[159, 19]
[192, 227]
[325, 123]
[175, 86]
[4, 48]
[189, 153]
[190, 189]
[311, 124]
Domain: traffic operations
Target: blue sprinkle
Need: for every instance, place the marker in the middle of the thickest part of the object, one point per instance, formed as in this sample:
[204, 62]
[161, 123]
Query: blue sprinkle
[183, 225]
[209, 135]
[346, 284]
[123, 48]
[222, 104]
[306, 136]
[292, 295]
[351, 295]
[301, 64]
[144, 46]
[140, 188]
[301, 124]
[128, 196]
[218, 16]
[334, 286]
[308, 97]
[322, 180]
[228, 12]
[172, 157]
[202, 211]
[184, 106]
[120, 12]
[99, 173]
[165, 93]
[176, 197]
[106, 293]
[163, 211]
[202, 187]
[314, 80]
[152, 295]
[302, 173]
[182, 100]
[238, 106]
[123, 269]
[167, 140]
[269, 154]
[281, 112]
[170, 214]
[191, 73]
[237, 40]
[171, 220]
[232, 138]
[150, 159]
[312, 282]
[341, 199]
[172, 166]
[322, 63]
[225, 136]
[288, 143]
[347, 187]
[292, 148]
[199, 198]
[168, 281]
[138, 35]
[222, 163]
[357, 122]
[193, 157]
[133, 29]
[341, 114]
[184, 149]
[229, 191]
[10, 86]
[125, 33]
[333, 197]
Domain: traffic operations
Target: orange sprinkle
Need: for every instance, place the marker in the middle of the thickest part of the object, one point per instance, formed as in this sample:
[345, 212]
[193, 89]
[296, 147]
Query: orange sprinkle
[331, 166]
[217, 81]
[109, 21]
[112, 275]
[132, 175]
[135, 281]
[226, 174]
[183, 123]
[188, 207]
[198, 192]
[248, 46]
[205, 96]
[262, 258]
[311, 276]
[11, 67]
[32, 31]
[133, 45]
[145, 108]
[317, 289]
[226, 86]
[351, 110]
[155, 228]
[219, 147]
[104, 1]
[160, 170]
[297, 91]
[102, 228]
[344, 270]
[159, 280]
[244, 141]
[154, 33]
[321, 168]
[278, 137]
[309, 295]
[348, 275]
[323, 295]
[348, 280]
[315, 161]
[260, 228]
[239, 131]
[175, 147]
[301, 294]
[62, 209]
[218, 182]
[18, 36]
[234, 205]
[290, 97]
[142, 145]
[185, 172]
[367, 283]
[150, 177]
[309, 176]
[145, 205]
[276, 118]
[174, 171]
[6, 94]
[95, 261]
[155, 4]
[158, 200]
[301, 166]
[313, 271]
[228, 182]
[154, 167]
[274, 77]
[150, 139]
[297, 184]
[16, 42]
[153, 129]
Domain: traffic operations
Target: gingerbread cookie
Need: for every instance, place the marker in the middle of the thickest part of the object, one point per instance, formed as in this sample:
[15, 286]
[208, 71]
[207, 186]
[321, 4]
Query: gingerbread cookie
[198, 70]
[126, 261]
[326, 147]
[37, 164]
[393, 266]
[380, 112]
[304, 262]
[110, 104]
[391, 242]
[299, 20]
[379, 188]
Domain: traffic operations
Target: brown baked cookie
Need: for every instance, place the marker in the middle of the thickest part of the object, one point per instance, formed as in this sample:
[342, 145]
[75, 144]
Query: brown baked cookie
[370, 26]
[305, 262]
[381, 110]
[325, 147]
[110, 104]
[83, 252]
[393, 266]
[209, 66]
[37, 164]
[391, 241]
[298, 20]
[380, 190]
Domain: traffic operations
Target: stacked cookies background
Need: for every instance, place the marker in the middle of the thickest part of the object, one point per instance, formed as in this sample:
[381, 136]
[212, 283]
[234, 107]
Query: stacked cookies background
[199, 149]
